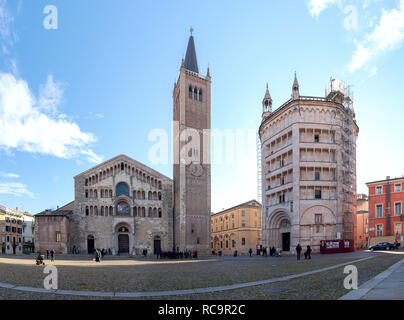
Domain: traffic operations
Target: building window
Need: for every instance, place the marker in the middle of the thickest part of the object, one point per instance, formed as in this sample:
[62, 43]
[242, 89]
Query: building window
[227, 244]
[379, 190]
[317, 194]
[398, 187]
[243, 241]
[190, 92]
[122, 189]
[379, 211]
[200, 95]
[58, 236]
[243, 223]
[397, 208]
[379, 230]
[318, 218]
[316, 138]
[243, 213]
[233, 243]
[317, 176]
[398, 228]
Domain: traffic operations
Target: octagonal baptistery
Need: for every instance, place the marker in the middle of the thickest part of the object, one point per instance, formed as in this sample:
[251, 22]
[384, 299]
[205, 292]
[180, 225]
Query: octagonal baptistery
[308, 154]
[124, 206]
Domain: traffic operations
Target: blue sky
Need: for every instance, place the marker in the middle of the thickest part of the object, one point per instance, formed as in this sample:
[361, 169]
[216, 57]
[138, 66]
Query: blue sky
[98, 84]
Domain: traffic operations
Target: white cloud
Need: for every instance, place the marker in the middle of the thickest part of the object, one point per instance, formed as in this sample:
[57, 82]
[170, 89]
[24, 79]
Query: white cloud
[9, 175]
[372, 72]
[15, 189]
[317, 6]
[32, 126]
[388, 34]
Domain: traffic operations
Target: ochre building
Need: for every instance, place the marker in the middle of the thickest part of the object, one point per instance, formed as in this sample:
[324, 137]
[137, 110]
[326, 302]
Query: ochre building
[308, 154]
[237, 228]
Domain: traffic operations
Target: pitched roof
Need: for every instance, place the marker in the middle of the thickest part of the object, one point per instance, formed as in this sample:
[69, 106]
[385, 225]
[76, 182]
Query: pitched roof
[191, 61]
[245, 204]
[65, 210]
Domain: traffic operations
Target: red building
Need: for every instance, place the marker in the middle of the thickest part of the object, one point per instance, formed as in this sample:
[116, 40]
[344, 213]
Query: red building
[386, 198]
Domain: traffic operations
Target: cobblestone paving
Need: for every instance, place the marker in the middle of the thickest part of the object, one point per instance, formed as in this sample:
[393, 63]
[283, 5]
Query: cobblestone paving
[129, 274]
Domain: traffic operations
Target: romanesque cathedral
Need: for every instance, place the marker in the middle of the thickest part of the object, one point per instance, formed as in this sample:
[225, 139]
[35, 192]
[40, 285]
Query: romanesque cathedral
[125, 206]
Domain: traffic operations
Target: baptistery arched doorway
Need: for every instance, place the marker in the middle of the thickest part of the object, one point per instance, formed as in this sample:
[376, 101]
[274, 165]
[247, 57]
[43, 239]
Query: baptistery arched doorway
[279, 230]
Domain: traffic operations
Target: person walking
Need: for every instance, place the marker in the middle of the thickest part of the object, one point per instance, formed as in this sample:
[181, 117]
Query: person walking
[47, 254]
[52, 253]
[298, 250]
[250, 252]
[264, 252]
[307, 254]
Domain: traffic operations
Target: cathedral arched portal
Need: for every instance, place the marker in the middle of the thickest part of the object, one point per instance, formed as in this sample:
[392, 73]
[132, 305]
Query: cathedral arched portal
[123, 238]
[279, 230]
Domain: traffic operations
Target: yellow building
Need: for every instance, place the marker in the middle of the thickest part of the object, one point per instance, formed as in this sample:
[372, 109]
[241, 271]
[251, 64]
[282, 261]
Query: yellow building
[237, 228]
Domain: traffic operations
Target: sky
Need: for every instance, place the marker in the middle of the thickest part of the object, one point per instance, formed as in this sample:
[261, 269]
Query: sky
[84, 81]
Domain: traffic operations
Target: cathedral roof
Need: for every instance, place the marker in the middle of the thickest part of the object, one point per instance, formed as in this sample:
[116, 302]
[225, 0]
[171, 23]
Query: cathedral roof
[191, 61]
[125, 158]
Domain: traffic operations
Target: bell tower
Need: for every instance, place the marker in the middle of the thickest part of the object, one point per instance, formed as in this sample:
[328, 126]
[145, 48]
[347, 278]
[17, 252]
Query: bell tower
[191, 155]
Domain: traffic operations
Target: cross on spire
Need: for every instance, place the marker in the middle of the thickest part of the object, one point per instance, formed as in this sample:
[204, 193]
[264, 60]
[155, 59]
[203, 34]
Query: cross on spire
[191, 30]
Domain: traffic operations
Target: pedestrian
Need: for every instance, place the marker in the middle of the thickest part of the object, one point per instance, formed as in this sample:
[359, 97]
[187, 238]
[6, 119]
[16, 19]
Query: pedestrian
[264, 252]
[298, 250]
[47, 254]
[235, 253]
[52, 253]
[250, 252]
[307, 254]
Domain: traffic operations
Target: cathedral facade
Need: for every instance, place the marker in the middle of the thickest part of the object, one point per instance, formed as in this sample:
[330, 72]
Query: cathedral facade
[127, 207]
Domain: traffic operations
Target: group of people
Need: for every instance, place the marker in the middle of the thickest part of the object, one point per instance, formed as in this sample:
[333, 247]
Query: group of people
[99, 254]
[177, 254]
[40, 257]
[307, 253]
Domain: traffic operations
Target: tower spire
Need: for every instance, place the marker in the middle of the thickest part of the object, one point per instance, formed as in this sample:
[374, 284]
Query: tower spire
[295, 89]
[191, 61]
[266, 103]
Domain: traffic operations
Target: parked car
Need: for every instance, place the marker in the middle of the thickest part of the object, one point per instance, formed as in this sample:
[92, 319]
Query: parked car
[383, 246]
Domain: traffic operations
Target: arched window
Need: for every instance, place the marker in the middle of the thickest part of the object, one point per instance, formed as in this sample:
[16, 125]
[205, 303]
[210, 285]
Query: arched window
[91, 210]
[122, 189]
[143, 195]
[111, 211]
[150, 212]
[134, 211]
[160, 213]
[110, 193]
[87, 211]
[96, 211]
[149, 195]
[154, 212]
[195, 94]
[200, 95]
[190, 92]
[159, 184]
[102, 211]
[144, 212]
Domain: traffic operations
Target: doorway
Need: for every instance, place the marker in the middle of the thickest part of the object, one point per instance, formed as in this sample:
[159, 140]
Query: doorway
[123, 243]
[157, 245]
[286, 241]
[90, 244]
